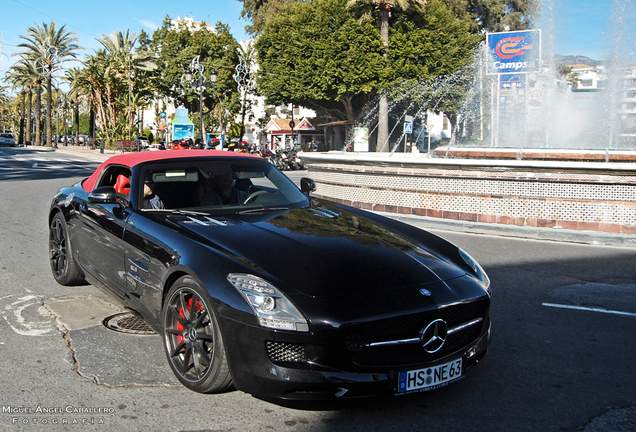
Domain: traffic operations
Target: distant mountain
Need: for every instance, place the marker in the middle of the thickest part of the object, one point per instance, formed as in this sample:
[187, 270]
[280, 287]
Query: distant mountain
[570, 60]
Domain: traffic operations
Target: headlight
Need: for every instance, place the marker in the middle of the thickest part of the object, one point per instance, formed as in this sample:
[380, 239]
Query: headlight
[479, 272]
[270, 305]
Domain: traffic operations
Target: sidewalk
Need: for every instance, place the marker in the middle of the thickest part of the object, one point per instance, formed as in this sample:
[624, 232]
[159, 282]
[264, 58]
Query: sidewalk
[76, 150]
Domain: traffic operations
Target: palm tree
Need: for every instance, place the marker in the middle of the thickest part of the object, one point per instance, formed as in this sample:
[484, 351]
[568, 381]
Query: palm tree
[114, 78]
[77, 94]
[48, 47]
[126, 64]
[4, 104]
[25, 75]
[385, 7]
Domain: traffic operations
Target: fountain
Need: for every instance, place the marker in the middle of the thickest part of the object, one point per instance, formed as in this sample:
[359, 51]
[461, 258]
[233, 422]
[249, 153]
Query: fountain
[579, 119]
[526, 152]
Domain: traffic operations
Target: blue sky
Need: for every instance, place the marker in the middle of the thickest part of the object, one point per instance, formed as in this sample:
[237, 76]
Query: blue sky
[580, 26]
[90, 19]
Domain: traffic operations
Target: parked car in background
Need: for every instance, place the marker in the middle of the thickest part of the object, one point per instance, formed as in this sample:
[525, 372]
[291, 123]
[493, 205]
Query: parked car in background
[7, 139]
[66, 139]
[157, 146]
[142, 142]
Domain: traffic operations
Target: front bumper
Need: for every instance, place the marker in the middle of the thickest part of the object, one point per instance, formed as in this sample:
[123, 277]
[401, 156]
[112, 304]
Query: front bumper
[312, 380]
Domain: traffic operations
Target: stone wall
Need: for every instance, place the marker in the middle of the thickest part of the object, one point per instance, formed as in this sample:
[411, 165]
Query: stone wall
[597, 197]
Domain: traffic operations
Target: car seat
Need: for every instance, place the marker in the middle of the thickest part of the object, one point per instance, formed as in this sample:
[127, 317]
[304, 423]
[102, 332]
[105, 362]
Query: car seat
[122, 185]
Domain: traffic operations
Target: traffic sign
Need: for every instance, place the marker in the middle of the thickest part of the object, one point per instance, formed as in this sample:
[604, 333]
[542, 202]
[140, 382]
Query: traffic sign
[408, 128]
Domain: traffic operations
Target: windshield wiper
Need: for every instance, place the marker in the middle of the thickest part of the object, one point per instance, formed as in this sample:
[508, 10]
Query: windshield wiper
[178, 212]
[261, 209]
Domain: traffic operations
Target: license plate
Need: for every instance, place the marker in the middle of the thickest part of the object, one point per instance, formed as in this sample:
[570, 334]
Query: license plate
[431, 377]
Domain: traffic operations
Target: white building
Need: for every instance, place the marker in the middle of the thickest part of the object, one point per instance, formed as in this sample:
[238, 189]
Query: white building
[587, 78]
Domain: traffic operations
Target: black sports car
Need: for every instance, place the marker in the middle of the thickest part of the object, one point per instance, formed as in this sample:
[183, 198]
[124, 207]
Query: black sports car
[256, 285]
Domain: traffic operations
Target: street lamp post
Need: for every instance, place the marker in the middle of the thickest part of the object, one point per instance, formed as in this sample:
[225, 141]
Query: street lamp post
[64, 107]
[194, 79]
[59, 108]
[246, 84]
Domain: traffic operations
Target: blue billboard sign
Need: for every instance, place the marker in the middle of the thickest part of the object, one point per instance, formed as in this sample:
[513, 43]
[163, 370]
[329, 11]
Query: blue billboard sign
[514, 52]
[180, 131]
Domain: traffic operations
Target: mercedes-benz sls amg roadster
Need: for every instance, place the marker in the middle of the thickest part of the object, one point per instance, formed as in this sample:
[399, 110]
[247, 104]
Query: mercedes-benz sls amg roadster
[254, 284]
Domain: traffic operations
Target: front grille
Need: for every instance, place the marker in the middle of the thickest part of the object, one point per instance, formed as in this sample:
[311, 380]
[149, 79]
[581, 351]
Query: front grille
[285, 352]
[360, 336]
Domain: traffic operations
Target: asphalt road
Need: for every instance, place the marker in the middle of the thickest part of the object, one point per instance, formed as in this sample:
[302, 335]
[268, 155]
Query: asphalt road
[562, 357]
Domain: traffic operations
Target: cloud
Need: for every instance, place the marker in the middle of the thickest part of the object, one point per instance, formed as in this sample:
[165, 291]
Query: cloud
[150, 25]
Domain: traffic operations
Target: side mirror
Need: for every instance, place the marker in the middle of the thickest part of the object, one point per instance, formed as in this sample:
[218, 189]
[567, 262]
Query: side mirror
[307, 185]
[103, 195]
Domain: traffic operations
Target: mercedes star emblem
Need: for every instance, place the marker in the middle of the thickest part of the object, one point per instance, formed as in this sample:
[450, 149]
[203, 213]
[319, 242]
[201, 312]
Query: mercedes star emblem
[434, 336]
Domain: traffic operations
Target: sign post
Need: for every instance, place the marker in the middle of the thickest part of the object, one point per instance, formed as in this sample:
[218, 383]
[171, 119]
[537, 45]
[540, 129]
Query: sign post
[408, 129]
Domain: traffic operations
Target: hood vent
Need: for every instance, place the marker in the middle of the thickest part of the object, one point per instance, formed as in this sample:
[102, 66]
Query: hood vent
[326, 213]
[206, 221]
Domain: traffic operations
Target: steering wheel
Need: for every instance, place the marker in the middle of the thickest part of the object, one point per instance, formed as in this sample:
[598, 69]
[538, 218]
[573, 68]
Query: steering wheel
[253, 196]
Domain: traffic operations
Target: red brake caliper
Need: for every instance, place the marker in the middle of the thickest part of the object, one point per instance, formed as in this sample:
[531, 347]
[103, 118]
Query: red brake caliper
[198, 307]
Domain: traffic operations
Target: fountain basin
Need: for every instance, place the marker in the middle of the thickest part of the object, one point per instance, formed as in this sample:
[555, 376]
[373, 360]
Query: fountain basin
[552, 194]
[536, 154]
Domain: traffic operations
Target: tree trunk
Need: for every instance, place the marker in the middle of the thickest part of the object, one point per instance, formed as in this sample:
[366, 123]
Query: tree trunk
[38, 114]
[49, 105]
[383, 110]
[77, 125]
[21, 136]
[383, 125]
[29, 122]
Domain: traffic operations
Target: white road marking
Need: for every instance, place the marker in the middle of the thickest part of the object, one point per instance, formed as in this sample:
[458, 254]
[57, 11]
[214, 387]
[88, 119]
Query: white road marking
[589, 309]
[13, 315]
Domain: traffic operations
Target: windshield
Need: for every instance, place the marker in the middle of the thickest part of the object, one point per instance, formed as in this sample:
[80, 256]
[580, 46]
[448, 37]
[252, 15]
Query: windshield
[225, 184]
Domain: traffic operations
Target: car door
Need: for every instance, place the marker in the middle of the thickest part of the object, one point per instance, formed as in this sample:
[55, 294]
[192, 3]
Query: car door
[148, 259]
[100, 245]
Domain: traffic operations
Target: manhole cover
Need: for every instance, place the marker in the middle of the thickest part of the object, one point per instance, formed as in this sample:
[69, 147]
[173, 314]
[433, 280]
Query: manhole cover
[127, 322]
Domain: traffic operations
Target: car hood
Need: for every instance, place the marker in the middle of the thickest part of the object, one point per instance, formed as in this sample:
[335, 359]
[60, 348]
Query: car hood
[324, 251]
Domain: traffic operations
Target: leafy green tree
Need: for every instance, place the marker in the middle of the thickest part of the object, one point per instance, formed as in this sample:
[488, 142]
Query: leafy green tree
[258, 12]
[483, 15]
[316, 54]
[431, 55]
[495, 15]
[217, 50]
[385, 7]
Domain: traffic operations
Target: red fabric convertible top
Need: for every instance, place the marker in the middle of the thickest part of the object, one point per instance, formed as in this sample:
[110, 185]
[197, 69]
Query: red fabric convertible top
[132, 159]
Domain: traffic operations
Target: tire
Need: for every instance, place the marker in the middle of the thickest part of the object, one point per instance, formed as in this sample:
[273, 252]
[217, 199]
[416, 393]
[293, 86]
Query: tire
[192, 341]
[63, 266]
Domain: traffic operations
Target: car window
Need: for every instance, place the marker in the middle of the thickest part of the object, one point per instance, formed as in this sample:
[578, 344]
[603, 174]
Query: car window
[111, 174]
[217, 185]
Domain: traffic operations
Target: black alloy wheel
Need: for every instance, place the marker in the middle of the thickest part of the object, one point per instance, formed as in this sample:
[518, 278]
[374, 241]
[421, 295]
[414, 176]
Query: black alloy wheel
[192, 339]
[63, 264]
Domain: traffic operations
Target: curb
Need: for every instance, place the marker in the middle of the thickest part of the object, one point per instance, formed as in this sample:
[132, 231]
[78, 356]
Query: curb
[552, 234]
[34, 148]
